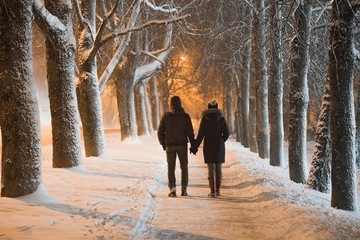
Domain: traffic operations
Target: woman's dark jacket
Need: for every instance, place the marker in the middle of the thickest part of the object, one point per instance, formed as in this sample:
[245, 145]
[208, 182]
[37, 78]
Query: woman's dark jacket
[214, 130]
[175, 128]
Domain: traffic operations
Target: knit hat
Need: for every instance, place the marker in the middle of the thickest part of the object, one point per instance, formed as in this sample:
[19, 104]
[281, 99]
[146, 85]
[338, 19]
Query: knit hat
[175, 101]
[213, 104]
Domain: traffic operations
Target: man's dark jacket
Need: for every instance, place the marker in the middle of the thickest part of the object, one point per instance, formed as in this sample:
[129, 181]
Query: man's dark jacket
[214, 130]
[175, 128]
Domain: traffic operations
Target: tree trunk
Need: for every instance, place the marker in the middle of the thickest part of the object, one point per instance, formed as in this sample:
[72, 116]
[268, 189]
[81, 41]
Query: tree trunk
[238, 108]
[19, 110]
[276, 90]
[245, 86]
[164, 93]
[126, 98]
[252, 104]
[357, 122]
[148, 109]
[155, 113]
[342, 117]
[319, 176]
[88, 93]
[60, 49]
[143, 128]
[299, 96]
[262, 112]
[229, 103]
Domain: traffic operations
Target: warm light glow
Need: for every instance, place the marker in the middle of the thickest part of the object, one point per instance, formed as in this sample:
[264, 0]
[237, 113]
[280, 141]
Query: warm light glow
[182, 58]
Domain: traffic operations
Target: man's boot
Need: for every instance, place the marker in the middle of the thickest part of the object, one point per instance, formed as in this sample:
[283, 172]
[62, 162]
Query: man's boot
[218, 185]
[212, 187]
[172, 192]
[184, 191]
[184, 181]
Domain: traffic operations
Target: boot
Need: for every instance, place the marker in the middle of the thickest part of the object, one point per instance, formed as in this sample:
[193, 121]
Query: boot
[212, 187]
[172, 192]
[184, 191]
[218, 184]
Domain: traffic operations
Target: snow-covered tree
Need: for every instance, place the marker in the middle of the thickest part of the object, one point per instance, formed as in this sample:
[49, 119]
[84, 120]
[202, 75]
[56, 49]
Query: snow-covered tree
[60, 49]
[130, 78]
[141, 109]
[319, 176]
[133, 74]
[342, 117]
[357, 121]
[245, 77]
[238, 120]
[276, 88]
[252, 102]
[19, 110]
[298, 95]
[125, 97]
[155, 103]
[89, 100]
[259, 47]
[228, 99]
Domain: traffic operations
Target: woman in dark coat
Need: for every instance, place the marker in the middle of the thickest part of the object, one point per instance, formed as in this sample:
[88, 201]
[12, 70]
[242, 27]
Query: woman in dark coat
[214, 130]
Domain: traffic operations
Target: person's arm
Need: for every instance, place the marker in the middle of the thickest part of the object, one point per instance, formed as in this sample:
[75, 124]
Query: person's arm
[201, 133]
[190, 131]
[225, 131]
[161, 133]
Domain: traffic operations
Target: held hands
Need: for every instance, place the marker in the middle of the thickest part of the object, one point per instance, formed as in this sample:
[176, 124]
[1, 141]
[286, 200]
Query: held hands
[193, 150]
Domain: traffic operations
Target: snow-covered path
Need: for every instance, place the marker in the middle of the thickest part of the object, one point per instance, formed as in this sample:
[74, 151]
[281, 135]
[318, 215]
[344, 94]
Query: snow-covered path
[249, 208]
[233, 215]
[125, 197]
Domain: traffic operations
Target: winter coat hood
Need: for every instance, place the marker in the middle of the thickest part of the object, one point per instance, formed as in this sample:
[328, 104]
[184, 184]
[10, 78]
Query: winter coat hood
[212, 114]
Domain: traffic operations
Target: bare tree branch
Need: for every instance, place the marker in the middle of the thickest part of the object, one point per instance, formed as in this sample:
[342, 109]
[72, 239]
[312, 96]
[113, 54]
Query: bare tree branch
[78, 11]
[165, 8]
[49, 22]
[104, 22]
[136, 28]
[152, 55]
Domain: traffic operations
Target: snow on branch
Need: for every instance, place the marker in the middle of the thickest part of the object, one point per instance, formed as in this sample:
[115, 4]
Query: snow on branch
[165, 8]
[148, 70]
[152, 55]
[140, 27]
[49, 22]
[104, 22]
[78, 11]
[121, 48]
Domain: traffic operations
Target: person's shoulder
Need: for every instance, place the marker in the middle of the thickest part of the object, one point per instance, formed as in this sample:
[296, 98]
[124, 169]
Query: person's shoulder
[166, 114]
[212, 111]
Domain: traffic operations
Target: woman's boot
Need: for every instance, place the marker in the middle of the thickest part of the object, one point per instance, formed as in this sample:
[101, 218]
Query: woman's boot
[212, 187]
[218, 185]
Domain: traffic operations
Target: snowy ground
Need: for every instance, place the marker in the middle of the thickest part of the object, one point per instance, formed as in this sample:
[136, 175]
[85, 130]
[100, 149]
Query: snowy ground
[125, 197]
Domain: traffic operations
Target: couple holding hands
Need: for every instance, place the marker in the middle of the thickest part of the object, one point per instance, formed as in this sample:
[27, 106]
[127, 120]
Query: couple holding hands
[176, 130]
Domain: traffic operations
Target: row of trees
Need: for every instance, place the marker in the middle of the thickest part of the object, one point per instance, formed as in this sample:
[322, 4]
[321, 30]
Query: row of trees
[76, 33]
[278, 48]
[288, 57]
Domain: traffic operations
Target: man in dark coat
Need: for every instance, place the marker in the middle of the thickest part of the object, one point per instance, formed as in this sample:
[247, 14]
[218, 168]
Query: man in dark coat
[174, 132]
[214, 130]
